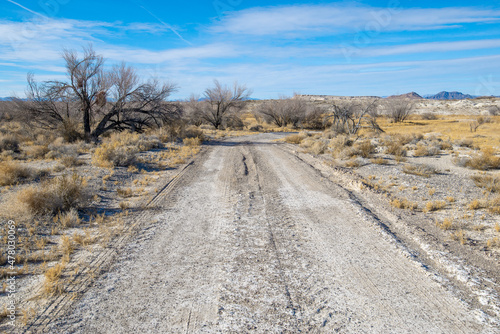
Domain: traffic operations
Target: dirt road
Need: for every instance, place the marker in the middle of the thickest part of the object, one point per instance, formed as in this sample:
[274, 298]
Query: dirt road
[255, 240]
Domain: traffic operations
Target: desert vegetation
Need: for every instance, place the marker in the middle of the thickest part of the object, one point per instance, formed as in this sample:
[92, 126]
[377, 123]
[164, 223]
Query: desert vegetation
[433, 166]
[80, 156]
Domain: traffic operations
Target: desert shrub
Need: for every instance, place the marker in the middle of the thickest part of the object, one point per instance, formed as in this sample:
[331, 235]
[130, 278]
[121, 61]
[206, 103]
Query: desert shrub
[340, 142]
[494, 206]
[52, 196]
[233, 122]
[53, 283]
[476, 205]
[428, 116]
[146, 143]
[423, 150]
[494, 110]
[434, 206]
[110, 155]
[71, 161]
[419, 169]
[488, 182]
[318, 147]
[193, 132]
[354, 162]
[69, 218]
[294, 139]
[365, 148]
[484, 160]
[404, 204]
[395, 148]
[446, 224]
[256, 128]
[36, 151]
[192, 141]
[459, 236]
[379, 161]
[307, 142]
[445, 145]
[9, 143]
[464, 143]
[459, 160]
[69, 131]
[12, 173]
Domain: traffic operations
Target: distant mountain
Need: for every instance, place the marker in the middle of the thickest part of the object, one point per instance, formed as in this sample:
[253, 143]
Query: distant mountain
[450, 96]
[411, 95]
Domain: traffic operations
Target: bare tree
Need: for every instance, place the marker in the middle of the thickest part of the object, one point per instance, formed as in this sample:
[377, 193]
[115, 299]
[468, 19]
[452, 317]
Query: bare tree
[350, 116]
[283, 111]
[399, 109]
[102, 100]
[219, 102]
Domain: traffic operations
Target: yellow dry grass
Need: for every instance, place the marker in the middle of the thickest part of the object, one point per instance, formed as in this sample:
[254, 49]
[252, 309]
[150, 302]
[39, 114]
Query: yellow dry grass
[453, 127]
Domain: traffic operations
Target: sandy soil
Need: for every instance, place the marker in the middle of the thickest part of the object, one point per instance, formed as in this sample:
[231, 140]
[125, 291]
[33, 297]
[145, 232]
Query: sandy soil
[254, 238]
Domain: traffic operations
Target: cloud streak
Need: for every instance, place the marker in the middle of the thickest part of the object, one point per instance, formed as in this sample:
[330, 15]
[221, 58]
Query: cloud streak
[293, 21]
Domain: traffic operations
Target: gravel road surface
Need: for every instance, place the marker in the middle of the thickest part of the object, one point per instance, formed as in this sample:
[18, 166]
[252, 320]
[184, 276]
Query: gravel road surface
[254, 239]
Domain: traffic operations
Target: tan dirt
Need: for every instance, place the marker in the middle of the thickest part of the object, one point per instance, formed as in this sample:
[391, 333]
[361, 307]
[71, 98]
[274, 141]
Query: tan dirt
[254, 239]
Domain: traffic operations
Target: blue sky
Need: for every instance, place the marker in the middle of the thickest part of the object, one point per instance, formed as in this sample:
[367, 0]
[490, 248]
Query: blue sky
[275, 48]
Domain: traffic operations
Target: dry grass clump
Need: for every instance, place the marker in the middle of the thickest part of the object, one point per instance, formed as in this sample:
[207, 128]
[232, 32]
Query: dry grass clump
[489, 182]
[192, 141]
[353, 163]
[464, 143]
[494, 207]
[446, 224]
[395, 146]
[379, 161]
[53, 284]
[419, 169]
[68, 219]
[36, 151]
[477, 204]
[318, 147]
[9, 143]
[404, 204]
[193, 132]
[114, 154]
[49, 197]
[296, 138]
[365, 148]
[434, 206]
[12, 173]
[493, 242]
[459, 236]
[424, 150]
[125, 193]
[484, 160]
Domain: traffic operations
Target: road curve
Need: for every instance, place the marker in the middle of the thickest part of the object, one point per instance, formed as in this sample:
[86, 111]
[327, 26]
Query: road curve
[255, 240]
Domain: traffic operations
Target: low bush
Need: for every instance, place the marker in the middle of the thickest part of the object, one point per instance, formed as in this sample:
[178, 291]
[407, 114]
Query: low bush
[295, 139]
[9, 143]
[113, 154]
[424, 150]
[318, 147]
[484, 160]
[434, 206]
[12, 173]
[404, 204]
[420, 170]
[196, 141]
[489, 182]
[52, 196]
[36, 151]
[365, 148]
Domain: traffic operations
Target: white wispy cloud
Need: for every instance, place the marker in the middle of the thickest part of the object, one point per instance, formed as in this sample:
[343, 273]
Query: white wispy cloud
[306, 20]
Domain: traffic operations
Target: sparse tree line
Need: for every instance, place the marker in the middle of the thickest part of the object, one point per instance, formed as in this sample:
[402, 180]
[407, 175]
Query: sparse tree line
[94, 100]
